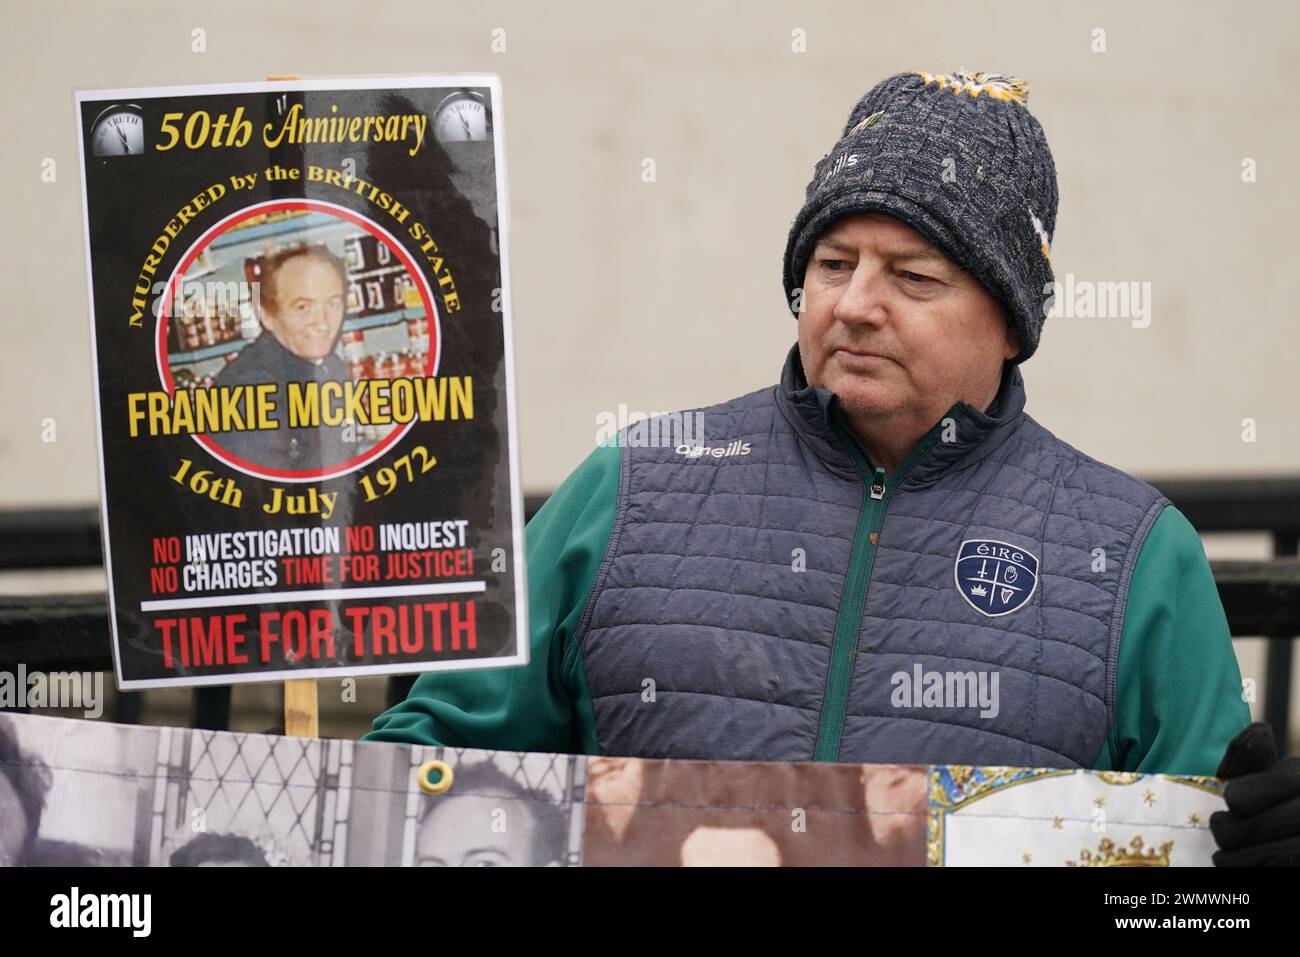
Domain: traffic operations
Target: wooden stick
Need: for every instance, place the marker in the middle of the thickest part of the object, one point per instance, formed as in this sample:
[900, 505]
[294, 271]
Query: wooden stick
[301, 713]
[301, 701]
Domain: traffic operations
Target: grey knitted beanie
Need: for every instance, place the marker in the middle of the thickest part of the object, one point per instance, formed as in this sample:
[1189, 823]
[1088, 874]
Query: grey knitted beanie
[961, 160]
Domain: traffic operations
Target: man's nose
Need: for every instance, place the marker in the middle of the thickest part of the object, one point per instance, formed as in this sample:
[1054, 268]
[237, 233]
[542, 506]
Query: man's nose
[864, 298]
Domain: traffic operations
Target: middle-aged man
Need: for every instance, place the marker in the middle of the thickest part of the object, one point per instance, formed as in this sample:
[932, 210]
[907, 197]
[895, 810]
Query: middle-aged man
[303, 298]
[883, 558]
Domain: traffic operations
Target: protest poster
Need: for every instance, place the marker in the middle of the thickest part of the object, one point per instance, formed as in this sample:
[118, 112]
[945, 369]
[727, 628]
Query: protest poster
[81, 793]
[304, 383]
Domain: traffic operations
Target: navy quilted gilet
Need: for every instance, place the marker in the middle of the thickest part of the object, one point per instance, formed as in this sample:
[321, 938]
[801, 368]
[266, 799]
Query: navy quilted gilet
[702, 639]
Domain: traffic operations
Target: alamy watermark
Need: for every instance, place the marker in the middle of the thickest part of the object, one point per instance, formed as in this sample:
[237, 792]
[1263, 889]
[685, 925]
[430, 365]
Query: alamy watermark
[133, 912]
[946, 689]
[1088, 299]
[644, 430]
[208, 298]
[79, 690]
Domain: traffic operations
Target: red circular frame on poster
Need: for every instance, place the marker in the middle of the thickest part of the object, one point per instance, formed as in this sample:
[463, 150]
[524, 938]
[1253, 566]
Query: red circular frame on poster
[309, 205]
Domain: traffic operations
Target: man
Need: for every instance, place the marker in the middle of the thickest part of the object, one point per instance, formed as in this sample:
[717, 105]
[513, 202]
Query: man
[24, 783]
[849, 560]
[668, 813]
[303, 296]
[490, 820]
[219, 850]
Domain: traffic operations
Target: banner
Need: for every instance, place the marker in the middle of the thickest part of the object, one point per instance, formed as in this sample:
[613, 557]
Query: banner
[76, 792]
[304, 379]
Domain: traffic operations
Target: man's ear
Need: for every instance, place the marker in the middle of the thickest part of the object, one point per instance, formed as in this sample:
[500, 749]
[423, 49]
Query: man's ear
[1012, 341]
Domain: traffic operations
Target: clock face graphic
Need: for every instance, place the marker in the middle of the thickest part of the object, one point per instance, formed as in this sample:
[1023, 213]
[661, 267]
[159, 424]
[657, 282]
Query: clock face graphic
[463, 117]
[118, 131]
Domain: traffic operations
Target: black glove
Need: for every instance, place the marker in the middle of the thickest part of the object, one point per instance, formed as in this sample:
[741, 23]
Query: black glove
[1261, 827]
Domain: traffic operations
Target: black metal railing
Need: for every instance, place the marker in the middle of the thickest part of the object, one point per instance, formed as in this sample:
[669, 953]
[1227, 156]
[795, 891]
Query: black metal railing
[1259, 600]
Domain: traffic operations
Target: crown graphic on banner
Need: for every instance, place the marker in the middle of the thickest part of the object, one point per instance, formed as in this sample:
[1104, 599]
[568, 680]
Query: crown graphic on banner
[1135, 855]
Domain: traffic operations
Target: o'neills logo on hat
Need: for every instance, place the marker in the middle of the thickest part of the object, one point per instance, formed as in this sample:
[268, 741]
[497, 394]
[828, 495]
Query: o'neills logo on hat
[700, 451]
[842, 163]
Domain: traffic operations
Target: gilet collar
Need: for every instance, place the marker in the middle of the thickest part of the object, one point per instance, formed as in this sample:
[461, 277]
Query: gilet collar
[810, 410]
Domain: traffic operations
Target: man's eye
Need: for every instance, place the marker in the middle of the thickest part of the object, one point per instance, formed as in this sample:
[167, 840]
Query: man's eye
[834, 264]
[916, 277]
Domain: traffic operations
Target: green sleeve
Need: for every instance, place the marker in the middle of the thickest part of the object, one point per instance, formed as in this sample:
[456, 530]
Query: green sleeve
[1178, 696]
[544, 705]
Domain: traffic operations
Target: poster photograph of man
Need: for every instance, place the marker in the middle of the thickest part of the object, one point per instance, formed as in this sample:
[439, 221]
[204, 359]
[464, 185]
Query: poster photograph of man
[327, 301]
[302, 318]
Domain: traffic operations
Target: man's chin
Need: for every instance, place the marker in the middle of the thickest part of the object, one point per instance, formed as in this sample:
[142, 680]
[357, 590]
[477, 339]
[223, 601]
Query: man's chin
[855, 399]
[315, 355]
